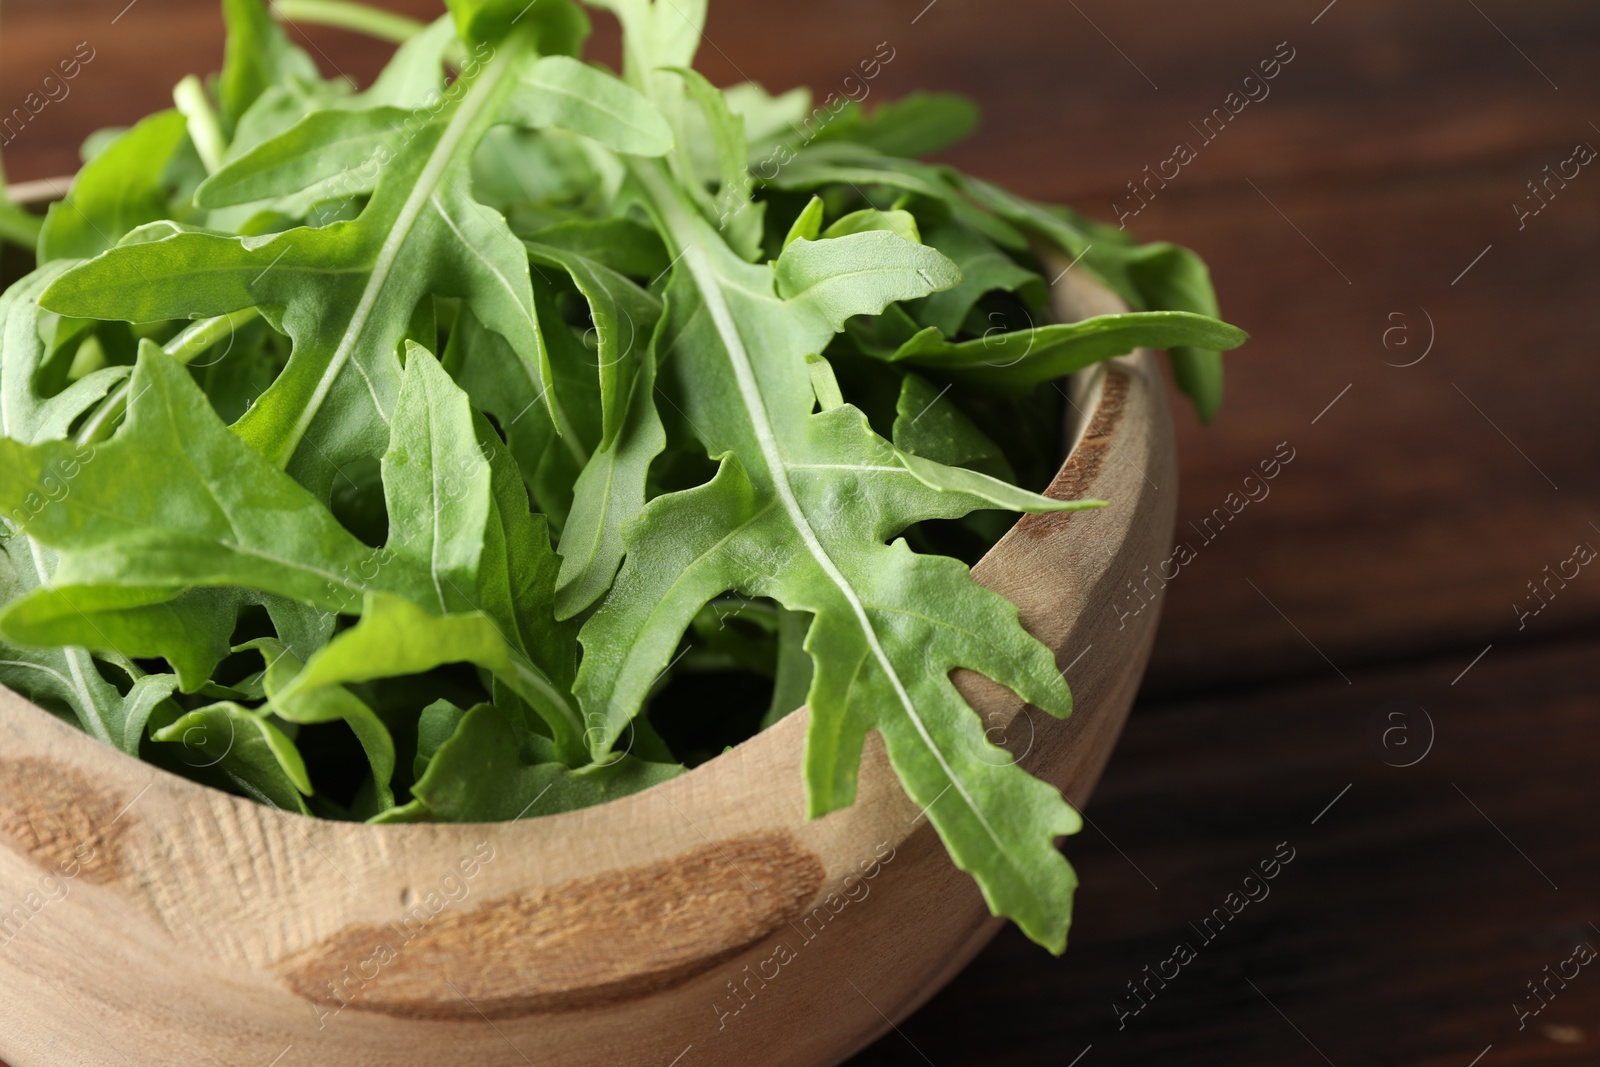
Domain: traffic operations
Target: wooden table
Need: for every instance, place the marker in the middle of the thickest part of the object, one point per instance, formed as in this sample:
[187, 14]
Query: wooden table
[1341, 670]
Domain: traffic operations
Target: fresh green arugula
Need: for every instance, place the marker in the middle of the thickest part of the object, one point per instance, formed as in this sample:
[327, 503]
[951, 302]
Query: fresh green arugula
[16, 225]
[511, 435]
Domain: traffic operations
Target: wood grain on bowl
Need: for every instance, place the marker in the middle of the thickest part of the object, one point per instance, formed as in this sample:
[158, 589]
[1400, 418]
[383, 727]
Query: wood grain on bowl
[60, 818]
[706, 913]
[586, 942]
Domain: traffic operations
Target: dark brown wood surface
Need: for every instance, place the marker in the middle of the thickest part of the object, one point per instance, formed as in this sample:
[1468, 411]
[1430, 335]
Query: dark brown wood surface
[1358, 217]
[1419, 902]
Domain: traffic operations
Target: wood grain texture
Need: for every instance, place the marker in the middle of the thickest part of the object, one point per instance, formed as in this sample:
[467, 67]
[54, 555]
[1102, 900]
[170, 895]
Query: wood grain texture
[1404, 931]
[1373, 86]
[534, 952]
[1424, 502]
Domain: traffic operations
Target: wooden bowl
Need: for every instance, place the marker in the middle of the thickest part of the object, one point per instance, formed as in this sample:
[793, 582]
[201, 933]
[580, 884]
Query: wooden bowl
[144, 918]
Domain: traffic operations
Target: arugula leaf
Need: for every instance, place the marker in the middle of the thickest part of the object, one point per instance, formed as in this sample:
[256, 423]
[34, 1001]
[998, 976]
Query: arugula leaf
[491, 571]
[899, 222]
[611, 488]
[1013, 363]
[205, 510]
[1149, 277]
[624, 318]
[799, 511]
[478, 776]
[16, 225]
[63, 675]
[931, 425]
[247, 748]
[1175, 278]
[917, 125]
[435, 726]
[561, 92]
[620, 244]
[609, 494]
[499, 383]
[564, 25]
[349, 144]
[656, 39]
[24, 414]
[462, 517]
[985, 268]
[825, 164]
[1156, 277]
[332, 704]
[395, 639]
[517, 582]
[176, 502]
[145, 175]
[258, 56]
[190, 629]
[659, 45]
[436, 483]
[345, 293]
[794, 672]
[68, 677]
[768, 117]
[808, 224]
[413, 76]
[736, 212]
[290, 88]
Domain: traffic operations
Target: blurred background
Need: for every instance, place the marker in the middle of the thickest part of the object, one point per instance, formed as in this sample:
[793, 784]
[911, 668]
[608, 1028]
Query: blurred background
[1385, 667]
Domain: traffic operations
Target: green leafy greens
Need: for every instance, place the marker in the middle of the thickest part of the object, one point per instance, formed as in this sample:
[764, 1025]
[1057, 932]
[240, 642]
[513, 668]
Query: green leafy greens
[434, 452]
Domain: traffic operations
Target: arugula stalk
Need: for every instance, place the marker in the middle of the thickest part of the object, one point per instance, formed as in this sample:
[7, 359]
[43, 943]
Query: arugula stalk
[190, 344]
[346, 15]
